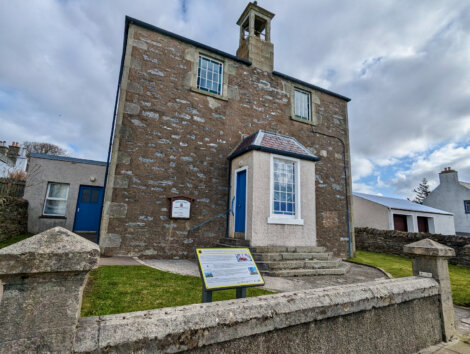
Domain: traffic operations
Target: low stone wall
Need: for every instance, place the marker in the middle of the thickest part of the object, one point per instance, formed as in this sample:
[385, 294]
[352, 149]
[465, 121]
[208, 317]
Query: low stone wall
[303, 321]
[391, 241]
[42, 281]
[13, 217]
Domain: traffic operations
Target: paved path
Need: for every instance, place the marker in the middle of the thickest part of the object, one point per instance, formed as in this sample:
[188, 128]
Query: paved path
[357, 274]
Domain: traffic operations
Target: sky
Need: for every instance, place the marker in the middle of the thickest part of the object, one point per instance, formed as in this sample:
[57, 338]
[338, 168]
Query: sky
[404, 64]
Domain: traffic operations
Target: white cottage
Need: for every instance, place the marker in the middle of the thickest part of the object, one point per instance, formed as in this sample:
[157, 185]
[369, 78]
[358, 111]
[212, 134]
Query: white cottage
[398, 214]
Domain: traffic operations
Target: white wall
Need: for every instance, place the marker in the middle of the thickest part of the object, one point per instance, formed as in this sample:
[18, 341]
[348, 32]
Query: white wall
[450, 196]
[443, 224]
[370, 214]
[40, 172]
[258, 230]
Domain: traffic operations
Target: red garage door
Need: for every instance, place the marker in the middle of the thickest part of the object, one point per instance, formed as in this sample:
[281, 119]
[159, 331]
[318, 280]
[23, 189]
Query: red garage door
[399, 222]
[423, 224]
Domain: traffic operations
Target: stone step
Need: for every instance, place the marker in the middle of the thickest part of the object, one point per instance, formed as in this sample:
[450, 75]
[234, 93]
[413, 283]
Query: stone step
[299, 265]
[284, 249]
[233, 242]
[307, 272]
[292, 256]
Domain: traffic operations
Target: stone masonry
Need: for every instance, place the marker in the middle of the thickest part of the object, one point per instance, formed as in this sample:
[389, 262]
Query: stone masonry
[171, 140]
[13, 217]
[392, 241]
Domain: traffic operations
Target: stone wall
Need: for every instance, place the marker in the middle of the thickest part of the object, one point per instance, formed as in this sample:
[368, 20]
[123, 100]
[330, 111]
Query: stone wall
[13, 217]
[391, 241]
[172, 139]
[42, 281]
[296, 322]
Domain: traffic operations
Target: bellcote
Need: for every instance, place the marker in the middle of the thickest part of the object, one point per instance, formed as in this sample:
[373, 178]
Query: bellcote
[255, 37]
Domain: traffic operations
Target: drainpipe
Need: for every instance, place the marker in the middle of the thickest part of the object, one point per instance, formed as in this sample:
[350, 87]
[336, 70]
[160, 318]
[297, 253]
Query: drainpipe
[346, 186]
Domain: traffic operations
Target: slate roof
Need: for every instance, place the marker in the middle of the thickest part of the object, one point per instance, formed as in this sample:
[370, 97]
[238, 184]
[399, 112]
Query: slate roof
[465, 184]
[68, 159]
[274, 143]
[401, 204]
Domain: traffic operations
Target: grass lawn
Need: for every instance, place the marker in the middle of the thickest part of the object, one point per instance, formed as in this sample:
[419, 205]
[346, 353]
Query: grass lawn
[13, 240]
[401, 267]
[118, 289]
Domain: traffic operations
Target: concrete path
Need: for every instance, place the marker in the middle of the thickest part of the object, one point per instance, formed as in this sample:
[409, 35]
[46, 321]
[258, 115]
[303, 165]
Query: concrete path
[357, 274]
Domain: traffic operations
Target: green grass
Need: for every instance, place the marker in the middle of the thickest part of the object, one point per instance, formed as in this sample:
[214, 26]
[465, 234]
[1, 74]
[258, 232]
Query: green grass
[14, 239]
[118, 289]
[400, 267]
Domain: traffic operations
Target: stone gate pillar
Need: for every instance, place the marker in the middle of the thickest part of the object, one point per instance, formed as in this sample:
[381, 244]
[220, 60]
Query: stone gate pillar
[429, 259]
[43, 279]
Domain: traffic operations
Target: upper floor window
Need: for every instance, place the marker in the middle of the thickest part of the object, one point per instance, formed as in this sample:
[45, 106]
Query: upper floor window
[56, 199]
[467, 206]
[302, 105]
[210, 75]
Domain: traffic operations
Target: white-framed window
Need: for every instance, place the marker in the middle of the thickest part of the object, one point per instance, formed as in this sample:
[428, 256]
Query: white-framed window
[56, 199]
[285, 191]
[302, 109]
[210, 75]
[467, 206]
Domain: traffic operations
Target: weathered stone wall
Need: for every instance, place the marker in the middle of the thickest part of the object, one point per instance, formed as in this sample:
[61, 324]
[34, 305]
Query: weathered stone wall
[391, 241]
[13, 217]
[172, 140]
[296, 322]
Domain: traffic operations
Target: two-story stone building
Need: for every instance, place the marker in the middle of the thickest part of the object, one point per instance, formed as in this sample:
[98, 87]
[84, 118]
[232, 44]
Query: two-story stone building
[226, 132]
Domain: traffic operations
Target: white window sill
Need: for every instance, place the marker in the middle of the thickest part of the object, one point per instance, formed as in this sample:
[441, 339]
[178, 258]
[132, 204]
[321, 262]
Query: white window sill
[285, 221]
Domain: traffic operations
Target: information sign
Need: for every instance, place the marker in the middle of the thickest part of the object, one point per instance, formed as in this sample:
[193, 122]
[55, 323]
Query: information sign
[180, 207]
[223, 268]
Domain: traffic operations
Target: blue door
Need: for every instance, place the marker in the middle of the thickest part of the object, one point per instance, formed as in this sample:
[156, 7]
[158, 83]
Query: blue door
[240, 202]
[87, 215]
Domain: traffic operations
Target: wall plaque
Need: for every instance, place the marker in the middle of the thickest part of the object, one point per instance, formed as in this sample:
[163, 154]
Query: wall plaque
[180, 207]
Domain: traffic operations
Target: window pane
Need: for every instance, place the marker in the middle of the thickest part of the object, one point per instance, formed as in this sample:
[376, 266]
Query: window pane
[209, 75]
[85, 196]
[284, 187]
[302, 104]
[58, 190]
[55, 207]
[95, 196]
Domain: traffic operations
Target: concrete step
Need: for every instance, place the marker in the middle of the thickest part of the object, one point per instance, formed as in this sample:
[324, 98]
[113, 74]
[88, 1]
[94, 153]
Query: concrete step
[271, 257]
[307, 272]
[284, 249]
[298, 265]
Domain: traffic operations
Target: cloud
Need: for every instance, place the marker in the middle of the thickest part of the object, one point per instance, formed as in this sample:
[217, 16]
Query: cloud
[404, 64]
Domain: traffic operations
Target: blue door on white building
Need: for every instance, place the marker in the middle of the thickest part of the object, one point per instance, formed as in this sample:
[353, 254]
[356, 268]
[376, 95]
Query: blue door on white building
[88, 213]
[240, 202]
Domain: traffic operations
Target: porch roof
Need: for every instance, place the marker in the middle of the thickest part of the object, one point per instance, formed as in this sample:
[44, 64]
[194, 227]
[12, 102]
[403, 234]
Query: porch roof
[273, 143]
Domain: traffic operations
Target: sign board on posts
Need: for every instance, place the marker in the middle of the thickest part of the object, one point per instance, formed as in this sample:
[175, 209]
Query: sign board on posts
[225, 268]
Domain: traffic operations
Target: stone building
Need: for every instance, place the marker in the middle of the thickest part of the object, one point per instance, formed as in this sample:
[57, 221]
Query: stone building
[191, 118]
[453, 196]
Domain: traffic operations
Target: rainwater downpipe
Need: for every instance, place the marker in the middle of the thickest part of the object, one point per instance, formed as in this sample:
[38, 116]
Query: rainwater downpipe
[346, 187]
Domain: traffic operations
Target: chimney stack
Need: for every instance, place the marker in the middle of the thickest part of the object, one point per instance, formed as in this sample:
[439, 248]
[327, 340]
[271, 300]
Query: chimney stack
[3, 148]
[255, 37]
[13, 152]
[448, 175]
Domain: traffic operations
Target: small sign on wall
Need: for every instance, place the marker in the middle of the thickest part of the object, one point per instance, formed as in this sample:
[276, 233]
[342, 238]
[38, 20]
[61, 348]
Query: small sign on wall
[180, 207]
